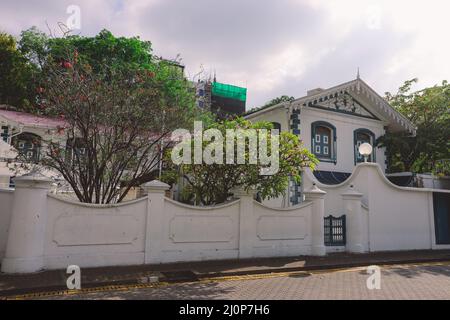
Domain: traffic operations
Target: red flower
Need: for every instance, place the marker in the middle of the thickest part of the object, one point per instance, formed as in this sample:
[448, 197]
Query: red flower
[67, 65]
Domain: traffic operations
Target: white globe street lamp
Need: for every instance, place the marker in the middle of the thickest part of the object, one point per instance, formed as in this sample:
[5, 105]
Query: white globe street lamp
[365, 150]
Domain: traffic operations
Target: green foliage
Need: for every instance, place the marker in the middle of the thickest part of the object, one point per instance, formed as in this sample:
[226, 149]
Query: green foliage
[429, 110]
[106, 54]
[15, 81]
[119, 119]
[278, 100]
[442, 168]
[118, 101]
[102, 50]
[34, 44]
[213, 183]
[273, 102]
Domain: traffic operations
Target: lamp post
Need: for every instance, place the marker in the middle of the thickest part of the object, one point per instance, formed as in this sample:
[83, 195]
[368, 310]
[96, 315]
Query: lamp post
[365, 150]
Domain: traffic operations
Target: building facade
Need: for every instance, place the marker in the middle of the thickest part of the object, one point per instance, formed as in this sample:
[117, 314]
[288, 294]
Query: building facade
[22, 140]
[332, 123]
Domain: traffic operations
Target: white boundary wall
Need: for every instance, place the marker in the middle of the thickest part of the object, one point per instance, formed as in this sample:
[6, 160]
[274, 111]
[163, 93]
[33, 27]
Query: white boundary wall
[94, 235]
[51, 232]
[393, 217]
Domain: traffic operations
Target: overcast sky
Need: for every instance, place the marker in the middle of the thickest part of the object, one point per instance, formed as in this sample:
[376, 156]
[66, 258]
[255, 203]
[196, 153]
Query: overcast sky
[272, 47]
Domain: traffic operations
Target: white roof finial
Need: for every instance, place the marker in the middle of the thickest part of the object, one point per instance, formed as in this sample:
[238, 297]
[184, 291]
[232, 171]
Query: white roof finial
[357, 74]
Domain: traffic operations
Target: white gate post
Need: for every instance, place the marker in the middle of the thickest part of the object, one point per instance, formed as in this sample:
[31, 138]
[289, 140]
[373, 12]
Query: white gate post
[26, 235]
[247, 223]
[316, 196]
[154, 231]
[354, 228]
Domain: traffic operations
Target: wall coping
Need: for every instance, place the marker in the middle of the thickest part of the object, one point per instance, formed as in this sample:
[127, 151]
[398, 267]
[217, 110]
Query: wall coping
[96, 205]
[155, 185]
[380, 174]
[314, 190]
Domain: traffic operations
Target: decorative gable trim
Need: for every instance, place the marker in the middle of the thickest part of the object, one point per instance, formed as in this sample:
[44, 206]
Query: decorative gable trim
[342, 102]
[360, 87]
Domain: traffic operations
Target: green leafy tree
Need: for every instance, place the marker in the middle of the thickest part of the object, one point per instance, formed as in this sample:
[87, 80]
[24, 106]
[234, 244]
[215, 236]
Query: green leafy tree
[99, 51]
[34, 45]
[118, 103]
[107, 55]
[273, 102]
[16, 87]
[429, 110]
[209, 184]
[115, 127]
[278, 100]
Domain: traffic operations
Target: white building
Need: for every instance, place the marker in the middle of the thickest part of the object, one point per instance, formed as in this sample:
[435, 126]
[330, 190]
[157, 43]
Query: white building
[27, 135]
[23, 133]
[332, 123]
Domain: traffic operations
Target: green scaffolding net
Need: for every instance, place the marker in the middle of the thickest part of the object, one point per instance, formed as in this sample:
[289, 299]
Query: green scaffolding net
[229, 91]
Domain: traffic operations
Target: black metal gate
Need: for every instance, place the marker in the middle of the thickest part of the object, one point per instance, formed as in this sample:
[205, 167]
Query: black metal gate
[334, 231]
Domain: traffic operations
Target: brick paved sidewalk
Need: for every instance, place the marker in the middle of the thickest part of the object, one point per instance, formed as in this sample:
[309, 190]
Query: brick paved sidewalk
[93, 277]
[428, 281]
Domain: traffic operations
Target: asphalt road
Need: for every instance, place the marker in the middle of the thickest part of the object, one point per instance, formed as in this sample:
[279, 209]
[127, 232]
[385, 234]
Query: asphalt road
[428, 281]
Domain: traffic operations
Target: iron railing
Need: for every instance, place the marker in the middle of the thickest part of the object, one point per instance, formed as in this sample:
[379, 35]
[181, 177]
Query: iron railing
[335, 231]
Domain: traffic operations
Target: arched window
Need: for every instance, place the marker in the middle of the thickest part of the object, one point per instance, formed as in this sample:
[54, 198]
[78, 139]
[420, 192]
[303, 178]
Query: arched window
[75, 149]
[28, 145]
[323, 141]
[276, 126]
[361, 136]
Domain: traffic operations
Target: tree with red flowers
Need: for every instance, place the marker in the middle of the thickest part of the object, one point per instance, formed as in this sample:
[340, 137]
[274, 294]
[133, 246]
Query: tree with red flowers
[116, 123]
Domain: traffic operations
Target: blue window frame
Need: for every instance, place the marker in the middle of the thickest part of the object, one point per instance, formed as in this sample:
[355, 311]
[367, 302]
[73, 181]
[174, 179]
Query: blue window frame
[361, 136]
[323, 141]
[4, 133]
